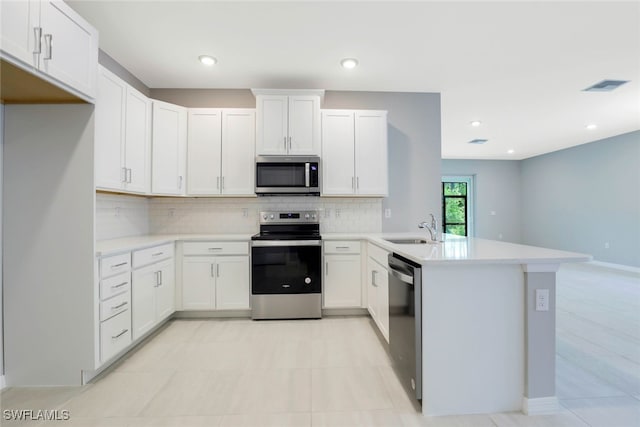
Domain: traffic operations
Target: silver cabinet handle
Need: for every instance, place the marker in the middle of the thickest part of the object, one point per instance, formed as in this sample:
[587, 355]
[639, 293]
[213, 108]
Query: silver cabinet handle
[289, 143]
[217, 182]
[326, 268]
[342, 247]
[48, 49]
[157, 254]
[129, 179]
[120, 285]
[37, 39]
[223, 182]
[307, 181]
[285, 143]
[115, 307]
[122, 264]
[357, 183]
[212, 273]
[180, 182]
[161, 281]
[374, 273]
[124, 175]
[217, 270]
[215, 249]
[115, 337]
[157, 273]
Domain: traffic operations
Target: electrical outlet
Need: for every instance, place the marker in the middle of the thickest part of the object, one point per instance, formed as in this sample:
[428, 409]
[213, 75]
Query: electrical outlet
[606, 245]
[542, 299]
[337, 213]
[387, 213]
[245, 212]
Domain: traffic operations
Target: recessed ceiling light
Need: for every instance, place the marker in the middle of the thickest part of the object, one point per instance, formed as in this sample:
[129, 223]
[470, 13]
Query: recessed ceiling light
[208, 60]
[349, 63]
[591, 126]
[478, 141]
[476, 123]
[511, 151]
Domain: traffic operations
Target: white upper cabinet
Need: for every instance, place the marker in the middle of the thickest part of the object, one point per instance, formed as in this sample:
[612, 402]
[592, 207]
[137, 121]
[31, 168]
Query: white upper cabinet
[354, 153]
[287, 124]
[168, 154]
[49, 38]
[204, 151]
[221, 155]
[122, 136]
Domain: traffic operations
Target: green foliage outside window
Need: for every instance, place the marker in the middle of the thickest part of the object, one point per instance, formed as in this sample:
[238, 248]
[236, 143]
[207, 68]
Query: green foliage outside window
[455, 207]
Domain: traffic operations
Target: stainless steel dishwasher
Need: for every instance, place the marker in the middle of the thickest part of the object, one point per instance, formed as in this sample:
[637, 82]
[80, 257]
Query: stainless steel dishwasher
[405, 322]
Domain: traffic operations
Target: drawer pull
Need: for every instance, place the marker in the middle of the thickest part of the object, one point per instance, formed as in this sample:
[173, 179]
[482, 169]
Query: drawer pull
[122, 264]
[120, 285]
[115, 337]
[342, 247]
[119, 306]
[157, 254]
[215, 249]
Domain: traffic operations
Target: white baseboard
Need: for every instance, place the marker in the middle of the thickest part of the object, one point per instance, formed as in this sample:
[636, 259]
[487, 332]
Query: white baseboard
[540, 405]
[612, 266]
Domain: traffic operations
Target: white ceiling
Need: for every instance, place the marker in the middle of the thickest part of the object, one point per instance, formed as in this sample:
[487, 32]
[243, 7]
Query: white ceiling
[519, 67]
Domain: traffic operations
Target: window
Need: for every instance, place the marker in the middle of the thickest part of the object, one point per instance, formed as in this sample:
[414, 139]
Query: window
[457, 205]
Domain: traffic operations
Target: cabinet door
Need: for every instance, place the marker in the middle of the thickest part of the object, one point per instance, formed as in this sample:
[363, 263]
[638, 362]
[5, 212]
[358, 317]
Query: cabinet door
[338, 155]
[17, 37]
[238, 147]
[271, 128]
[169, 139]
[232, 282]
[69, 47]
[204, 151]
[109, 131]
[137, 141]
[371, 153]
[198, 283]
[373, 271]
[304, 125]
[342, 284]
[166, 290]
[143, 307]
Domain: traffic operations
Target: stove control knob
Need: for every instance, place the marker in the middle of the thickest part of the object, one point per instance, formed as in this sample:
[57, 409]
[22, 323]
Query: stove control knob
[306, 216]
[313, 216]
[264, 216]
[307, 280]
[272, 216]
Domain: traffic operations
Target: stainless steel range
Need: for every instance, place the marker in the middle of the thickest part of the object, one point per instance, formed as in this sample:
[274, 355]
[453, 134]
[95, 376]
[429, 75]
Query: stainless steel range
[286, 266]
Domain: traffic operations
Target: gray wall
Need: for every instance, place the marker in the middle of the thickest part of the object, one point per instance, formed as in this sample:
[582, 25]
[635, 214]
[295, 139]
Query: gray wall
[583, 197]
[497, 189]
[414, 142]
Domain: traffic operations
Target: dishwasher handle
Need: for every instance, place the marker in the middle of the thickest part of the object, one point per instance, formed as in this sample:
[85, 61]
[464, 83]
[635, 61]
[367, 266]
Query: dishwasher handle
[401, 276]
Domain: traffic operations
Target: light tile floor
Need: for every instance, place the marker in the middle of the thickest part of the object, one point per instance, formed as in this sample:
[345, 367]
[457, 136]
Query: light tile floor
[335, 372]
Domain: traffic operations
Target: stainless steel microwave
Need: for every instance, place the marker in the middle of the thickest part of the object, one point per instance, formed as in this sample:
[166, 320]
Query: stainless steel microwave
[287, 175]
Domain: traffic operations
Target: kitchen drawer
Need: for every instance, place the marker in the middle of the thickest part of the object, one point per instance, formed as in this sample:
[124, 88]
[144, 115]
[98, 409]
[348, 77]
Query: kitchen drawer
[342, 247]
[378, 254]
[115, 285]
[110, 266]
[115, 305]
[215, 248]
[115, 335]
[151, 255]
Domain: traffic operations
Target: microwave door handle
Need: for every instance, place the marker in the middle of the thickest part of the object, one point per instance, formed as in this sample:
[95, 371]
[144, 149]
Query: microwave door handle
[307, 182]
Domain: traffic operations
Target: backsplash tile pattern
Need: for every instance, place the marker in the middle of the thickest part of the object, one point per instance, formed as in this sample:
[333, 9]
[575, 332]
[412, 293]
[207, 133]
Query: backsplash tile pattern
[119, 215]
[123, 216]
[240, 215]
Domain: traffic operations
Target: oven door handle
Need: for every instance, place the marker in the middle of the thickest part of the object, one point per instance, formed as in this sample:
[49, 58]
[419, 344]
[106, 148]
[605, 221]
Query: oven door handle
[272, 243]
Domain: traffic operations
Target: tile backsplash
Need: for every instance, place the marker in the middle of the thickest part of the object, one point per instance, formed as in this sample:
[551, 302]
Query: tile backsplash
[119, 215]
[122, 216]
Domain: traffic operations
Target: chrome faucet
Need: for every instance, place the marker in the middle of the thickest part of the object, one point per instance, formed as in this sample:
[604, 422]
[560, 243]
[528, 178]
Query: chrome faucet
[432, 228]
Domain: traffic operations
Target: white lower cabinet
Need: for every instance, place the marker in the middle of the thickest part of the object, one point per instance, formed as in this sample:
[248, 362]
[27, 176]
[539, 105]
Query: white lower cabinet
[215, 276]
[115, 335]
[153, 291]
[378, 288]
[342, 274]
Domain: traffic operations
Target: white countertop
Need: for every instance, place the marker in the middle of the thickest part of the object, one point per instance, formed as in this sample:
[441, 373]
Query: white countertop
[452, 250]
[463, 250]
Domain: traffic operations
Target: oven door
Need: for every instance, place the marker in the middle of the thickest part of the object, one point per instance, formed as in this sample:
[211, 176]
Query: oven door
[286, 267]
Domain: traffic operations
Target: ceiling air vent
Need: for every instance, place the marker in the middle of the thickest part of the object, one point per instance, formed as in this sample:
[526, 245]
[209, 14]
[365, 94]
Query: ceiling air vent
[605, 86]
[478, 141]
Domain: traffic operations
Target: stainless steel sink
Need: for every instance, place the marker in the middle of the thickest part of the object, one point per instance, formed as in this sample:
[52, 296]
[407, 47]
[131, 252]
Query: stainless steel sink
[409, 241]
